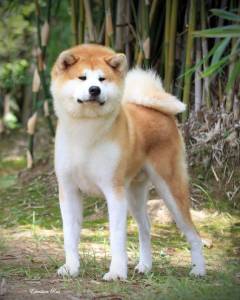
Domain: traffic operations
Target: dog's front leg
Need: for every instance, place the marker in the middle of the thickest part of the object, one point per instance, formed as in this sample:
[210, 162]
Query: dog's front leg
[117, 210]
[71, 210]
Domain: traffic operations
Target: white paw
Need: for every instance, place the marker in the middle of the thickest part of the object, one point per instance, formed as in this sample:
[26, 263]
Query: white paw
[198, 271]
[69, 271]
[114, 276]
[143, 268]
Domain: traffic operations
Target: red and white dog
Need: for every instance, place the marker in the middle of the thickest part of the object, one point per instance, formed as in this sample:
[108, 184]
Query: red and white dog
[116, 133]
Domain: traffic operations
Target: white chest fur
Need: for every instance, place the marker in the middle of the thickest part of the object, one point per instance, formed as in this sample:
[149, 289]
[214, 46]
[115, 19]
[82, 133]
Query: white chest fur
[84, 156]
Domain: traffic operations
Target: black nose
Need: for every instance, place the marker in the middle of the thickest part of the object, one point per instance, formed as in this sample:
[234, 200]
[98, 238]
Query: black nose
[94, 91]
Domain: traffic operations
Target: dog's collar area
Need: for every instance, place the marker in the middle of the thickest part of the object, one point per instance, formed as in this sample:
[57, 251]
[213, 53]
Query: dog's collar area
[91, 100]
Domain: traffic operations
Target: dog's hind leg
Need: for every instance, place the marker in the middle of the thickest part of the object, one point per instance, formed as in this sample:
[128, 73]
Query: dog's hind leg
[174, 192]
[137, 194]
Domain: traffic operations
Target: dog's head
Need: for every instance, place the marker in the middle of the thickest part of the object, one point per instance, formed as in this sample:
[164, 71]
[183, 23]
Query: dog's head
[87, 81]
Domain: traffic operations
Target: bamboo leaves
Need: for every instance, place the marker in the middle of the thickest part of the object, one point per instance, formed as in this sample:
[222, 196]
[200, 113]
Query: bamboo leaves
[220, 50]
[221, 56]
[224, 31]
[227, 15]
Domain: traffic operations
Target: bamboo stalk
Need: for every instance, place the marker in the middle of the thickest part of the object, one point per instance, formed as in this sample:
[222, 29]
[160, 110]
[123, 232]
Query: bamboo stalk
[236, 108]
[223, 5]
[45, 29]
[180, 80]
[206, 82]
[198, 81]
[1, 113]
[108, 24]
[166, 38]
[146, 32]
[153, 11]
[101, 34]
[1, 126]
[188, 61]
[30, 128]
[39, 77]
[121, 20]
[137, 49]
[171, 50]
[81, 22]
[41, 70]
[35, 90]
[157, 48]
[230, 93]
[89, 21]
[74, 19]
[127, 33]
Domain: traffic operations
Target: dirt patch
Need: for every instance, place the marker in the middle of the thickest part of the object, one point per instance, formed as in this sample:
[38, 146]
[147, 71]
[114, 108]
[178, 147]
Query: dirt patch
[159, 213]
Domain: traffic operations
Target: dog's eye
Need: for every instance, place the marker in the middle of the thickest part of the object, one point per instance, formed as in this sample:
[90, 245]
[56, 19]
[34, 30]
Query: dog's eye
[83, 77]
[102, 79]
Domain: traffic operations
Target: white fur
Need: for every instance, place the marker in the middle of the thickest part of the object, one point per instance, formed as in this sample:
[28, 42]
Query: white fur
[145, 88]
[190, 233]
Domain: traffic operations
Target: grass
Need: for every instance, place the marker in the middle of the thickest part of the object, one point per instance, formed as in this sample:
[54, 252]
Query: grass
[31, 246]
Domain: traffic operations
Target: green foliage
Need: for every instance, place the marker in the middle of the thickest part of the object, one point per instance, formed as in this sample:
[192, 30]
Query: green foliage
[224, 31]
[10, 120]
[227, 51]
[227, 15]
[15, 28]
[13, 74]
[16, 40]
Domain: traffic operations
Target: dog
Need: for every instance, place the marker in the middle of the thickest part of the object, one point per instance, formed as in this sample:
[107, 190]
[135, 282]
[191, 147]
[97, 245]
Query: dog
[116, 133]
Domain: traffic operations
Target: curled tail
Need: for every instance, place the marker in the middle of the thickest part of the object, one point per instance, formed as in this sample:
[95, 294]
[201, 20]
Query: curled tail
[145, 88]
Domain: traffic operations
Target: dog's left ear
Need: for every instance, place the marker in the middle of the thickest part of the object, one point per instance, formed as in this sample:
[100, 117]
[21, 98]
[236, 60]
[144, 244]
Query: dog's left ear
[118, 62]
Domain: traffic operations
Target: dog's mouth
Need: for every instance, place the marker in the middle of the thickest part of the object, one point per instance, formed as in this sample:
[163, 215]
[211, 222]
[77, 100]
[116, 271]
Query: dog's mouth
[91, 100]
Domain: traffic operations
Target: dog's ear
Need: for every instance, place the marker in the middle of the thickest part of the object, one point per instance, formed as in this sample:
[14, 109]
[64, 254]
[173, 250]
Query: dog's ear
[65, 60]
[118, 62]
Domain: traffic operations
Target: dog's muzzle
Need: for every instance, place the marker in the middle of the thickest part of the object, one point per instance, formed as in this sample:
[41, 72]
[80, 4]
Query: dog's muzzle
[91, 100]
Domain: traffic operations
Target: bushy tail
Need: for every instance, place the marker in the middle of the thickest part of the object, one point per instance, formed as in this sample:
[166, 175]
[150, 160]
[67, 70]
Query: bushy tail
[145, 88]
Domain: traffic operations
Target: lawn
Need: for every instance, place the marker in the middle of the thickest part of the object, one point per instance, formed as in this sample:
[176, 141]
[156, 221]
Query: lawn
[31, 243]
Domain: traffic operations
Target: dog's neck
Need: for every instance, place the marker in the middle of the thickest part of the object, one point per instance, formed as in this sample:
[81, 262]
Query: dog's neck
[87, 130]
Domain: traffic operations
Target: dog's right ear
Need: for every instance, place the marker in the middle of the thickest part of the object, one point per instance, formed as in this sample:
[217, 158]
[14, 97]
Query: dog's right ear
[65, 60]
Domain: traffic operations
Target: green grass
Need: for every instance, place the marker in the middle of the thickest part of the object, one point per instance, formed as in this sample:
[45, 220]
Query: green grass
[31, 247]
